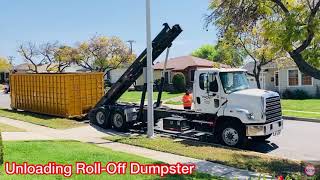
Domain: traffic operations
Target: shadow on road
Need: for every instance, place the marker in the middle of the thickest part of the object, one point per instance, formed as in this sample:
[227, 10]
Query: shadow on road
[262, 147]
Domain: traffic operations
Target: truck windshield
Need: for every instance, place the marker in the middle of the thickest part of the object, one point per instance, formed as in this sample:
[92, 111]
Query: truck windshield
[234, 81]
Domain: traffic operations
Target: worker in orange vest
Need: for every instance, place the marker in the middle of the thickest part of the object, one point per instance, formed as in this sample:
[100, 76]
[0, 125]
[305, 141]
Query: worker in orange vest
[187, 100]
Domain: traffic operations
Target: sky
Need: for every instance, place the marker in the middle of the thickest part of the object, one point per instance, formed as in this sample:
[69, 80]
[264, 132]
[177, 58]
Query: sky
[73, 21]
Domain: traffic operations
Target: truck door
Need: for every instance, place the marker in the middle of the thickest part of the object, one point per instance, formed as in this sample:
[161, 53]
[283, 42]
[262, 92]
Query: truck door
[207, 96]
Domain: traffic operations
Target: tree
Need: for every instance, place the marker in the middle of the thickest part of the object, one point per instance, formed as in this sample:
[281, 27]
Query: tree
[256, 47]
[220, 53]
[54, 56]
[4, 64]
[290, 25]
[206, 51]
[47, 50]
[30, 54]
[64, 56]
[103, 54]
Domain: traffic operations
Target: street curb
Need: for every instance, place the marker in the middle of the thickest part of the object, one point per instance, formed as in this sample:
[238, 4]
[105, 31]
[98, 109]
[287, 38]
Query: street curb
[301, 119]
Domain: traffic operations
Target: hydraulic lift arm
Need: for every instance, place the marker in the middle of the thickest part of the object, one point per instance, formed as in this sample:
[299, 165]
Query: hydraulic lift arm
[161, 42]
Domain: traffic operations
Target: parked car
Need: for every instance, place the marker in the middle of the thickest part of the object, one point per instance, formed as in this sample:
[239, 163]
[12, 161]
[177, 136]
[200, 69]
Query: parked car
[6, 88]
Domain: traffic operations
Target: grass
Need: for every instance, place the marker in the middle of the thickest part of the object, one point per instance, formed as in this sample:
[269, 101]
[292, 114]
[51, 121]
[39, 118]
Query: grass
[39, 119]
[135, 96]
[173, 102]
[69, 152]
[8, 128]
[236, 158]
[308, 105]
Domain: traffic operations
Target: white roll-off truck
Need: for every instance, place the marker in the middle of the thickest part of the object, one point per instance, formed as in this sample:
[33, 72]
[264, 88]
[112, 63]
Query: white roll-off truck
[225, 108]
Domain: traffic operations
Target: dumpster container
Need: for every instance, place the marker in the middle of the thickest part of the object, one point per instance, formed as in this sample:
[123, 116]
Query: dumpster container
[64, 94]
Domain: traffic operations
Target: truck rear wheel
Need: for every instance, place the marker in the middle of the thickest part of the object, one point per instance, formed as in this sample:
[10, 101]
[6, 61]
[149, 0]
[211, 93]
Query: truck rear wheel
[233, 134]
[260, 138]
[100, 118]
[119, 121]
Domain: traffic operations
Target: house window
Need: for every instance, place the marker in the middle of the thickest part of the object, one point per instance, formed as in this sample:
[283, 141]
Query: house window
[276, 78]
[167, 77]
[293, 77]
[192, 75]
[306, 79]
[203, 81]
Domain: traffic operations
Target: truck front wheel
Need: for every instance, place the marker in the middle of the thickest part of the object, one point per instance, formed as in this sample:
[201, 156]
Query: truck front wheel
[119, 121]
[233, 134]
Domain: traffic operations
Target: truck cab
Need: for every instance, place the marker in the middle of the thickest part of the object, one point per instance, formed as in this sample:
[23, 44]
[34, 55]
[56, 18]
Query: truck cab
[241, 112]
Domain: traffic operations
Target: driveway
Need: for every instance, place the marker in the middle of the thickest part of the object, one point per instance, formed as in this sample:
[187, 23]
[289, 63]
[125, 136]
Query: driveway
[298, 140]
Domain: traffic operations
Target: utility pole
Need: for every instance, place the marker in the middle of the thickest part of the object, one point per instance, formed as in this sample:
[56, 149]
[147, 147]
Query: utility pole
[131, 42]
[150, 131]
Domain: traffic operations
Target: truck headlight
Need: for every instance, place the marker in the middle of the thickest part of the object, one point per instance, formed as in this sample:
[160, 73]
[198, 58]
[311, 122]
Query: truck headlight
[250, 116]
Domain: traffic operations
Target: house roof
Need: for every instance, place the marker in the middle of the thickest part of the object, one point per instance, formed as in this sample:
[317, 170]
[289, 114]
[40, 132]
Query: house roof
[183, 62]
[23, 67]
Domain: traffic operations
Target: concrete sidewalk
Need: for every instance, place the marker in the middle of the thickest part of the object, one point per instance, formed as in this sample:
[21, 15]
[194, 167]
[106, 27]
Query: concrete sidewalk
[93, 135]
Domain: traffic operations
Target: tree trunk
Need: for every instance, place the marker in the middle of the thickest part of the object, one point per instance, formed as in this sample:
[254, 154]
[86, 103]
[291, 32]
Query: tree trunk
[303, 66]
[257, 76]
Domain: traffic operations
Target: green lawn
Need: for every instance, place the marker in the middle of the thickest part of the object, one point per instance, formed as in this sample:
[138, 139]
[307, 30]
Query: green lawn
[39, 119]
[135, 96]
[236, 158]
[308, 106]
[289, 106]
[174, 102]
[69, 152]
[8, 128]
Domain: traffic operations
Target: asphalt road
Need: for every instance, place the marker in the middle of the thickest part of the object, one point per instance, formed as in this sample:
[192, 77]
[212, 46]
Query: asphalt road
[298, 140]
[4, 100]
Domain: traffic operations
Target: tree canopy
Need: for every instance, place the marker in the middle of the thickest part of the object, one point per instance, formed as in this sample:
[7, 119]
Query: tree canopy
[100, 53]
[290, 26]
[103, 53]
[4, 64]
[220, 53]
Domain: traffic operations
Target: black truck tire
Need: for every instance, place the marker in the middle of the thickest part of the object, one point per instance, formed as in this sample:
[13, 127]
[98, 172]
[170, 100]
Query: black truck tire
[100, 118]
[232, 134]
[119, 122]
[261, 138]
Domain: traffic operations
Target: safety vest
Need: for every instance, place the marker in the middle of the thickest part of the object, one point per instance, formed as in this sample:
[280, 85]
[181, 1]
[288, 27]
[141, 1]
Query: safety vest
[187, 100]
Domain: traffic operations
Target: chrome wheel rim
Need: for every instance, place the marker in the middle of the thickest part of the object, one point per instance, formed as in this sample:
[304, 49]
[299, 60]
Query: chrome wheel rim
[230, 136]
[100, 117]
[118, 120]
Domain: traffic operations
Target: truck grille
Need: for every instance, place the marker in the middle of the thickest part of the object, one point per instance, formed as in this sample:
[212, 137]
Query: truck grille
[273, 109]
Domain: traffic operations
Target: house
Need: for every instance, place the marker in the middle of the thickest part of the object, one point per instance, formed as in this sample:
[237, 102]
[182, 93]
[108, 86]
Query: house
[23, 68]
[183, 64]
[279, 78]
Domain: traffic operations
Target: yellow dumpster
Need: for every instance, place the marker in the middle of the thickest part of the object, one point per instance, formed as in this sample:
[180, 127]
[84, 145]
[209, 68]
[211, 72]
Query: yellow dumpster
[63, 94]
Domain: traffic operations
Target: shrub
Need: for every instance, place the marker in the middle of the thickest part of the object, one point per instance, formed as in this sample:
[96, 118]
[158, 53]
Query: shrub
[300, 94]
[179, 82]
[318, 92]
[287, 94]
[296, 94]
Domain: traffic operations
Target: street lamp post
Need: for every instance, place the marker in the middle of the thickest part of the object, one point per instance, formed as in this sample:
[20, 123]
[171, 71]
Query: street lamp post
[131, 42]
[150, 131]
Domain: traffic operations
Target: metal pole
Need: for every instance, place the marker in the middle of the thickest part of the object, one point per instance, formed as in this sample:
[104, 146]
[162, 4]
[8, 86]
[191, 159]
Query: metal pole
[150, 131]
[131, 42]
